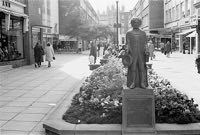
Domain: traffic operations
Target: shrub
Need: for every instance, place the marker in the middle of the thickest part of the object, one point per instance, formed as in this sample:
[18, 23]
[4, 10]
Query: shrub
[100, 101]
[171, 106]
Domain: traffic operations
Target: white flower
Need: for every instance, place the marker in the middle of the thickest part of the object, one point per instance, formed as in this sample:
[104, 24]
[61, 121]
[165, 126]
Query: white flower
[102, 104]
[116, 103]
[80, 99]
[96, 100]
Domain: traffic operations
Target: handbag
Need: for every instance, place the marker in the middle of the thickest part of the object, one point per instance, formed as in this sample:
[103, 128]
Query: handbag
[54, 58]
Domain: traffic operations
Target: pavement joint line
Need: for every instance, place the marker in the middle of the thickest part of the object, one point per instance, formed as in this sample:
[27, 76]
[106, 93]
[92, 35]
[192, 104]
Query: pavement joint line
[72, 88]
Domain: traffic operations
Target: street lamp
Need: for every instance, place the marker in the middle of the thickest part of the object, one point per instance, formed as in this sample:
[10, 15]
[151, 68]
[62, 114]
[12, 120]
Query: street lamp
[117, 24]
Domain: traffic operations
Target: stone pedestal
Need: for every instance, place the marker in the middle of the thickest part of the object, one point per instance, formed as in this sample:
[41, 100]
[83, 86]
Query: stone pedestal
[94, 66]
[138, 112]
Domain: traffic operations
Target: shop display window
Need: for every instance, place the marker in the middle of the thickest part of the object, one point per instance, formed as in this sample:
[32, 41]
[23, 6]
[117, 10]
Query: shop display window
[11, 41]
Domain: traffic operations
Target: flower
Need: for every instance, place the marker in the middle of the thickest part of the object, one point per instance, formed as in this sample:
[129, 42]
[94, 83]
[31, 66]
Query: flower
[80, 100]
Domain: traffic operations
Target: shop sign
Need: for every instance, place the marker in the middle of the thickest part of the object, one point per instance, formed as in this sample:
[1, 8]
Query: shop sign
[194, 20]
[184, 21]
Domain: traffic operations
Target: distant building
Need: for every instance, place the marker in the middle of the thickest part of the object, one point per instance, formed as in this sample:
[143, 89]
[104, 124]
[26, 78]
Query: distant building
[71, 13]
[110, 17]
[123, 20]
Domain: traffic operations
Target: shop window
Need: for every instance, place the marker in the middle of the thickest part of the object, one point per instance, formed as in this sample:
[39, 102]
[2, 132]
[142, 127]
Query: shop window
[11, 41]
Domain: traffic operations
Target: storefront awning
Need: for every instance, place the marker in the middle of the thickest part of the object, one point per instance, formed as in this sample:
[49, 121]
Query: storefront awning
[66, 38]
[186, 32]
[193, 34]
[41, 26]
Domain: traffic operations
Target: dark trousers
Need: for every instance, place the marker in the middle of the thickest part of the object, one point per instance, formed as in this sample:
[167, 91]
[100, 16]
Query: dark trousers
[198, 68]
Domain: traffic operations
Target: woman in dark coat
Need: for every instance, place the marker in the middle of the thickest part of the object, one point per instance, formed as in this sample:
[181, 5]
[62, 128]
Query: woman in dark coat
[168, 49]
[38, 54]
[93, 51]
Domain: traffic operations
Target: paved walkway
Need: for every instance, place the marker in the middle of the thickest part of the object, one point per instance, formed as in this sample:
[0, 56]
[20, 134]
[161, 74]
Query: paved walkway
[181, 71]
[28, 94]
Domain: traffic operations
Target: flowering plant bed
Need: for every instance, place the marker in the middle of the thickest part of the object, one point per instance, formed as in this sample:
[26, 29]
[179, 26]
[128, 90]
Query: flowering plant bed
[99, 100]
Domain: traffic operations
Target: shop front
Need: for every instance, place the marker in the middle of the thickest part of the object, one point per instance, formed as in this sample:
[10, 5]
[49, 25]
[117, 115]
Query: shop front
[197, 6]
[13, 26]
[67, 43]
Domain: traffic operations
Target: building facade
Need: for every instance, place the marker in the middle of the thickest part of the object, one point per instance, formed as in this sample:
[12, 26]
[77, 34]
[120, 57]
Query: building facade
[123, 20]
[197, 6]
[43, 23]
[181, 18]
[109, 18]
[72, 14]
[151, 13]
[13, 32]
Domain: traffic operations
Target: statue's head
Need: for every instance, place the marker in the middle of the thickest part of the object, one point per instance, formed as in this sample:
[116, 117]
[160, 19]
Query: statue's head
[136, 22]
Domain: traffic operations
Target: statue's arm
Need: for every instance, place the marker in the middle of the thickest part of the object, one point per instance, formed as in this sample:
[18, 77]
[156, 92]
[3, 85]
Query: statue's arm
[128, 43]
[146, 44]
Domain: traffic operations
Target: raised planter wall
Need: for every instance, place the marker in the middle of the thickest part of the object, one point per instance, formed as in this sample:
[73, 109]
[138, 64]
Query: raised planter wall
[54, 125]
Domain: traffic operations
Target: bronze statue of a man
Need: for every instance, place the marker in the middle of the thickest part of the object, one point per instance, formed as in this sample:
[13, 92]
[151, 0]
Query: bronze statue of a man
[136, 41]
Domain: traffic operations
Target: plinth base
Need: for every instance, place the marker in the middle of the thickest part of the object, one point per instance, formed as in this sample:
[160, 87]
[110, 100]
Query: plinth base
[138, 112]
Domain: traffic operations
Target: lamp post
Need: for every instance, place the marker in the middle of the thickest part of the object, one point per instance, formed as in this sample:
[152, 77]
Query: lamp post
[117, 23]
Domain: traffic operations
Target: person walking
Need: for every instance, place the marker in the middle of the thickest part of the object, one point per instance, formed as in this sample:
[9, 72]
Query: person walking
[38, 54]
[98, 49]
[168, 49]
[105, 47]
[162, 46]
[49, 54]
[184, 47]
[151, 49]
[197, 62]
[93, 51]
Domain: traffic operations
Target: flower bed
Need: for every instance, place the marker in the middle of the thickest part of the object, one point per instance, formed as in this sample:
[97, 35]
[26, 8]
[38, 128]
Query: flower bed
[99, 100]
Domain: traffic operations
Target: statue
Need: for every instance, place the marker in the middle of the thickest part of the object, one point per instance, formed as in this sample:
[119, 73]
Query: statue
[135, 58]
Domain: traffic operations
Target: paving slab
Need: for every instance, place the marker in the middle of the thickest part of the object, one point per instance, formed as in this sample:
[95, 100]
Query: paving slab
[37, 133]
[29, 117]
[5, 132]
[32, 93]
[2, 122]
[20, 104]
[181, 71]
[19, 126]
[37, 110]
[5, 116]
[11, 109]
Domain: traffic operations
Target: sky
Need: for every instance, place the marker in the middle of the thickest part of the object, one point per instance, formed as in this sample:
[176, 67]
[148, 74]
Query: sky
[101, 5]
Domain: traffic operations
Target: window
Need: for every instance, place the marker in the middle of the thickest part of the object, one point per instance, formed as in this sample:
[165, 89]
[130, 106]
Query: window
[177, 12]
[192, 7]
[166, 16]
[173, 14]
[11, 41]
[182, 14]
[186, 8]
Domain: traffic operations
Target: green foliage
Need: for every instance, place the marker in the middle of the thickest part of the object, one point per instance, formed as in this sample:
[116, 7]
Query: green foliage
[171, 106]
[100, 100]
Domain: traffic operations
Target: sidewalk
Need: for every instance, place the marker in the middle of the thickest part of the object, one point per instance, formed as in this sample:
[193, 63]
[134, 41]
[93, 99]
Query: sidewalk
[29, 94]
[180, 70]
